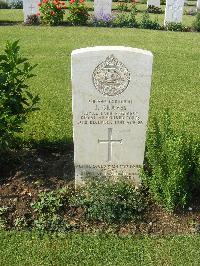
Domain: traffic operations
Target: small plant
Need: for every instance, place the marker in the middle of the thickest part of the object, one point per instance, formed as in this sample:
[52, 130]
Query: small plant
[126, 20]
[110, 201]
[196, 23]
[16, 4]
[20, 223]
[16, 102]
[51, 12]
[3, 217]
[190, 12]
[173, 165]
[32, 20]
[154, 9]
[173, 26]
[162, 2]
[147, 23]
[78, 12]
[49, 210]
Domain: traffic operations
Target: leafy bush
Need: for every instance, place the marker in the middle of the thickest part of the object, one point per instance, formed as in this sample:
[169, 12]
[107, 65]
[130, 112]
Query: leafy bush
[154, 9]
[110, 201]
[51, 12]
[4, 5]
[174, 167]
[49, 209]
[32, 20]
[16, 102]
[122, 6]
[196, 23]
[173, 26]
[147, 23]
[78, 12]
[16, 4]
[126, 20]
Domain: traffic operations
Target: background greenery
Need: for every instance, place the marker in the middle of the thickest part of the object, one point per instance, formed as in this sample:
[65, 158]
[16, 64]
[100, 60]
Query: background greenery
[175, 82]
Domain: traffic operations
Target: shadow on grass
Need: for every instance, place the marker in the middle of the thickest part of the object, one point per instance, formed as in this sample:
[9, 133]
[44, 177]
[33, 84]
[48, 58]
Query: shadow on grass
[10, 23]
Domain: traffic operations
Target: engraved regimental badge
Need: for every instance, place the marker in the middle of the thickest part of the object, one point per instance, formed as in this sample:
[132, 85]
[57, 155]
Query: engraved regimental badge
[111, 77]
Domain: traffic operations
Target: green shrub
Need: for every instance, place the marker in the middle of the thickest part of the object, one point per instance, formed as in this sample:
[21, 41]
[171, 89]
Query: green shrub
[49, 209]
[126, 19]
[16, 4]
[110, 201]
[154, 9]
[147, 23]
[196, 23]
[51, 12]
[173, 160]
[78, 13]
[122, 6]
[173, 26]
[16, 102]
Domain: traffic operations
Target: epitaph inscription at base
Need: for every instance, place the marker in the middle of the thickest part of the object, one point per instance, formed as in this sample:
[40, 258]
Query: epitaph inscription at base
[111, 91]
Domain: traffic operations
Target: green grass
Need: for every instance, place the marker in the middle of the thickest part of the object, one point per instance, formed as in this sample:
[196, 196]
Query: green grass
[97, 249]
[175, 82]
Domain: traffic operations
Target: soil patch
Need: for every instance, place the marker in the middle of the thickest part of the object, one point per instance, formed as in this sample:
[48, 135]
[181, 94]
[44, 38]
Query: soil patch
[42, 170]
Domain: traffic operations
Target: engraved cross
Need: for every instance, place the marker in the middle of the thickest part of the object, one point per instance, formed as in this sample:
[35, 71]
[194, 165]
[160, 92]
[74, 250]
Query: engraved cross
[110, 141]
[31, 7]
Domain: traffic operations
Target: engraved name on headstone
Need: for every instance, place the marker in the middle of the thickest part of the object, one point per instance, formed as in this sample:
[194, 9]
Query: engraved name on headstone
[111, 91]
[174, 11]
[102, 8]
[30, 7]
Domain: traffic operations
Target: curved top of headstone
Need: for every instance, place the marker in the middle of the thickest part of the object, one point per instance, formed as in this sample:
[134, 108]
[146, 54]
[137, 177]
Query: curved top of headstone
[111, 48]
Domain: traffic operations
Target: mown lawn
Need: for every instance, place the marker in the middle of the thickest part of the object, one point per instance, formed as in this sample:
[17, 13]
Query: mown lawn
[175, 83]
[97, 249]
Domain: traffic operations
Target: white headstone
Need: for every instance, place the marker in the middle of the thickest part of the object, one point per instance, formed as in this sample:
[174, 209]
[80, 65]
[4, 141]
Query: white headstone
[174, 11]
[102, 8]
[111, 91]
[198, 5]
[30, 7]
[155, 3]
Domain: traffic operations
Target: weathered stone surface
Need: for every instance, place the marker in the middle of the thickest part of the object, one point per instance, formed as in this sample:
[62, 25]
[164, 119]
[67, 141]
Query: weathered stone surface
[111, 91]
[102, 8]
[174, 11]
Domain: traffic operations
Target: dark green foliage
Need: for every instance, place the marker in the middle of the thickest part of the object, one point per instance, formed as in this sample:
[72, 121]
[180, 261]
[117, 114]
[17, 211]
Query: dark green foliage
[49, 209]
[147, 23]
[172, 26]
[110, 201]
[16, 102]
[196, 23]
[173, 160]
[16, 4]
[126, 19]
[154, 9]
